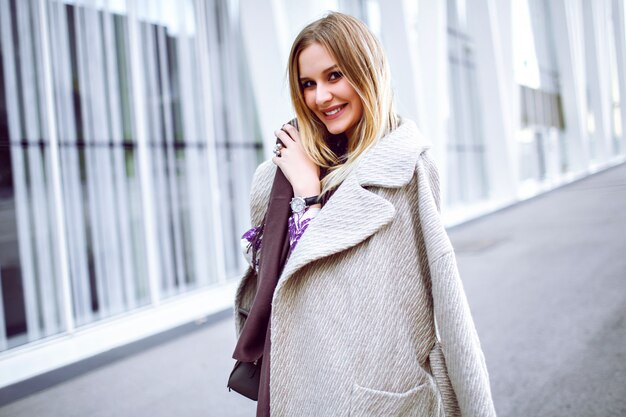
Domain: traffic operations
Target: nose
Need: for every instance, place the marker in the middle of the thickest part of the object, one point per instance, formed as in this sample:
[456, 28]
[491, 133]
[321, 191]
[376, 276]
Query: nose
[323, 94]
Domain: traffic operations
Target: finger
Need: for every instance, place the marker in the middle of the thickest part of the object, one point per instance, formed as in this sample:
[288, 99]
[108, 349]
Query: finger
[276, 160]
[284, 137]
[278, 147]
[283, 153]
[292, 131]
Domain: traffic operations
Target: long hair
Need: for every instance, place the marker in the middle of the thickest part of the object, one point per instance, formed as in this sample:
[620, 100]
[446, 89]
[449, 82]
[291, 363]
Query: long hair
[362, 61]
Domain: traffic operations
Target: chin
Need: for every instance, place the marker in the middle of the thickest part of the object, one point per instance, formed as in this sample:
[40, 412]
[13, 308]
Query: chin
[336, 129]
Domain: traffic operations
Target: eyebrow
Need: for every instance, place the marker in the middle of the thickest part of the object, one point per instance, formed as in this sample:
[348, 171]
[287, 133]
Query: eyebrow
[323, 72]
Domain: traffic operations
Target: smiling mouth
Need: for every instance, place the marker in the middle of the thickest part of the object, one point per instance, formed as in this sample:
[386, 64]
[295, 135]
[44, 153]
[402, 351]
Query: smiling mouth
[335, 111]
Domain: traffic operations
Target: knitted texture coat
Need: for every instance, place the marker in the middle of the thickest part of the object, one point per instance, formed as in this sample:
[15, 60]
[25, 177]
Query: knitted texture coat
[369, 317]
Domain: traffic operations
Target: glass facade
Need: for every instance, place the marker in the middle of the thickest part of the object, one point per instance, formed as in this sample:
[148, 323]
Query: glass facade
[465, 145]
[199, 153]
[616, 114]
[98, 161]
[32, 298]
[543, 148]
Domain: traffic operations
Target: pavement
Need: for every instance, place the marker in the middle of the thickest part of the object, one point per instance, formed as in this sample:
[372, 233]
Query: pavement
[546, 282]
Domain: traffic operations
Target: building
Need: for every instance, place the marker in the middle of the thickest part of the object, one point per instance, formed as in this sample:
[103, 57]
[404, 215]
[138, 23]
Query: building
[130, 129]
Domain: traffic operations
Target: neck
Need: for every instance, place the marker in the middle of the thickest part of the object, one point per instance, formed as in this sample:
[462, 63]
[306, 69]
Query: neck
[338, 144]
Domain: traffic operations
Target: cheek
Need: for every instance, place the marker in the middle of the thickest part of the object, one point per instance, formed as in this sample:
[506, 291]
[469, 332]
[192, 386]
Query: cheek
[350, 93]
[358, 106]
[309, 99]
[360, 110]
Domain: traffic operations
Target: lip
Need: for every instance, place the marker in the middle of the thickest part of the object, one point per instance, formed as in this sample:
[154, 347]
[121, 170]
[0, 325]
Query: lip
[336, 115]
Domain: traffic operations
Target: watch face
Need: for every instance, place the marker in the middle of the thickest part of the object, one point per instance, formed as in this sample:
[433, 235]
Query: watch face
[297, 204]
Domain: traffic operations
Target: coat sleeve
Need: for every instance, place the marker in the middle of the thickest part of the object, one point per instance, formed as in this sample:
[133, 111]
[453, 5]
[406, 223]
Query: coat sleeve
[259, 196]
[458, 350]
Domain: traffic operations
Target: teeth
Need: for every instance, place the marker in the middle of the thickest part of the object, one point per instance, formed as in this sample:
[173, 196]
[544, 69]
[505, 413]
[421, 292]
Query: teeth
[330, 113]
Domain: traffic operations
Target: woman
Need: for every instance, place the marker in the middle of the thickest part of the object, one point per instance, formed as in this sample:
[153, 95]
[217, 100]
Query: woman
[368, 317]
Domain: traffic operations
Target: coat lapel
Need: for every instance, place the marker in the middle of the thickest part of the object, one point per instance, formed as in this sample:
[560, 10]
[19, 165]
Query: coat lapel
[354, 213]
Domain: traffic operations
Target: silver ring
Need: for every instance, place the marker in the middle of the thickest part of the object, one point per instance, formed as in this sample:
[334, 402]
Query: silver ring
[277, 152]
[277, 149]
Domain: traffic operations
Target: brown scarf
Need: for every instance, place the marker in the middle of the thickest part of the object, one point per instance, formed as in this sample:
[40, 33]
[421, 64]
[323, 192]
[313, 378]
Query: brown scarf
[254, 340]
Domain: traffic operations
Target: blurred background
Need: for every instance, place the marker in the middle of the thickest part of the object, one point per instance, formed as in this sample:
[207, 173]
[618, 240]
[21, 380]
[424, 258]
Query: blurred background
[130, 130]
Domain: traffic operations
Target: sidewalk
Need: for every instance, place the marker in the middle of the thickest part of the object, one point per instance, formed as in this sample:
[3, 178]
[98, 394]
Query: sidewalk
[546, 280]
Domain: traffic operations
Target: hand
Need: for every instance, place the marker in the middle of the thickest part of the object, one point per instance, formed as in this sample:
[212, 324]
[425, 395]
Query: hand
[303, 174]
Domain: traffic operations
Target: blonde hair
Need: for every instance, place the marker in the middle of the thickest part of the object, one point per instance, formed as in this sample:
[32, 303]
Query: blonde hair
[362, 61]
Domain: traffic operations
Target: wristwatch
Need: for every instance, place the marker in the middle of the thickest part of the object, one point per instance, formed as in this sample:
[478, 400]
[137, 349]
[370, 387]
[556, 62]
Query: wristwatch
[299, 204]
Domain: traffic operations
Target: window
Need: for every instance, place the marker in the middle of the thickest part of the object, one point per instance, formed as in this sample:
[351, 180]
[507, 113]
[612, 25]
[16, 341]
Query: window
[173, 162]
[466, 149]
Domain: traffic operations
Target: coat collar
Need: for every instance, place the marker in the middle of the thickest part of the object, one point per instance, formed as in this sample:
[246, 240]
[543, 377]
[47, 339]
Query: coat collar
[390, 162]
[354, 213]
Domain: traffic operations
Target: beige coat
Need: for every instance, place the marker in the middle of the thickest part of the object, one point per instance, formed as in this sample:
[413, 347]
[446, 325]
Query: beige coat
[354, 312]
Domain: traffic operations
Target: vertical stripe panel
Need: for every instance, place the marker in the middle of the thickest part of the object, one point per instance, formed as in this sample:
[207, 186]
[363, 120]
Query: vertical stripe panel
[145, 170]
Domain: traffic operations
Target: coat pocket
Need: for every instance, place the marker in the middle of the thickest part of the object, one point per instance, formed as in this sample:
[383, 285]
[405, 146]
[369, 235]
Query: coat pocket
[421, 400]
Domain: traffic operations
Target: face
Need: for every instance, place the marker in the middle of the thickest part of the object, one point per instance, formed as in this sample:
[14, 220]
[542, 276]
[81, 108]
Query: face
[327, 92]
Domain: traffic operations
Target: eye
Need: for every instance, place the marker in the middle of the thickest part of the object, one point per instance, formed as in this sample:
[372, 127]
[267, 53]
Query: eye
[335, 75]
[307, 84]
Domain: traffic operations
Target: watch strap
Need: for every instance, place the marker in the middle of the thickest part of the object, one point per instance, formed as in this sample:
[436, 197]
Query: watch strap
[309, 201]
[299, 204]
